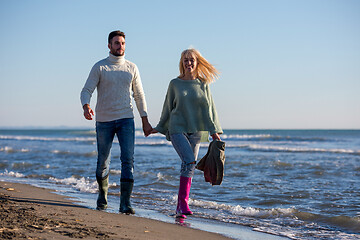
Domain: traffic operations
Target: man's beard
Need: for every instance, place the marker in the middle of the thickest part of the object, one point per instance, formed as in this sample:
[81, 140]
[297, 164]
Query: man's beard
[115, 52]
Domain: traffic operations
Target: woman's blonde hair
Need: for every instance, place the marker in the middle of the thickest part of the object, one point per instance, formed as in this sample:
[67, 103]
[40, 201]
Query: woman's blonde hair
[204, 70]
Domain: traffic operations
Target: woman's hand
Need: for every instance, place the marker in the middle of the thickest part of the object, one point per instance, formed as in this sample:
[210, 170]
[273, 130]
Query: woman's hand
[153, 131]
[216, 136]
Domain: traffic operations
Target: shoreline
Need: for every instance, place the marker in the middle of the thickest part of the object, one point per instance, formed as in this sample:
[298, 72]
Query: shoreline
[39, 213]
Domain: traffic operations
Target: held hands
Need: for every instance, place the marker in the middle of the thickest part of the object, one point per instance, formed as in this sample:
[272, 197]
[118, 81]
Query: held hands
[216, 136]
[153, 131]
[147, 128]
[88, 112]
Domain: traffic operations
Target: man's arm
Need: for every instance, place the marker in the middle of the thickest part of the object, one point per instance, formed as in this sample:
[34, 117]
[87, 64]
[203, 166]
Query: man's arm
[87, 91]
[140, 101]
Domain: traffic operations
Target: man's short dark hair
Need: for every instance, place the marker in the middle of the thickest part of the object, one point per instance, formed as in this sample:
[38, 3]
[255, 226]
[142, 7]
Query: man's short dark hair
[115, 33]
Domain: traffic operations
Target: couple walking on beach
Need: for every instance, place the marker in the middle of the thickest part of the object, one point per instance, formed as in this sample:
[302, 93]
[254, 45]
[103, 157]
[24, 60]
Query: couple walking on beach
[187, 118]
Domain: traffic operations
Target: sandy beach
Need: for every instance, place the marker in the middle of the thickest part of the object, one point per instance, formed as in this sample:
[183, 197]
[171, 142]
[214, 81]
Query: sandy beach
[28, 212]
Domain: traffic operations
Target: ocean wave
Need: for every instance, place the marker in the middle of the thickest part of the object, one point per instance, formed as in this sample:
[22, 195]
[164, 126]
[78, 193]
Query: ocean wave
[283, 220]
[50, 139]
[11, 150]
[85, 133]
[153, 143]
[12, 174]
[239, 210]
[246, 136]
[23, 165]
[81, 184]
[154, 178]
[270, 137]
[344, 222]
[39, 176]
[4, 164]
[243, 211]
[263, 148]
[76, 154]
[115, 171]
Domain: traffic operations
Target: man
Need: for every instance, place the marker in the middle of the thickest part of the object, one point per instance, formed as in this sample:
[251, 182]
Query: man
[115, 79]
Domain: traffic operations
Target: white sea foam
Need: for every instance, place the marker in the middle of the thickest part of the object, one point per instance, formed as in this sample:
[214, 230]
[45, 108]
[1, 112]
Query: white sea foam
[241, 211]
[90, 132]
[114, 171]
[265, 148]
[245, 136]
[139, 133]
[11, 150]
[32, 138]
[160, 176]
[6, 149]
[152, 142]
[267, 137]
[81, 184]
[12, 174]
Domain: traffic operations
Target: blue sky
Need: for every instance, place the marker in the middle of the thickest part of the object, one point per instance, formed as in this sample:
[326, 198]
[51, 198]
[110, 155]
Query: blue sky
[284, 63]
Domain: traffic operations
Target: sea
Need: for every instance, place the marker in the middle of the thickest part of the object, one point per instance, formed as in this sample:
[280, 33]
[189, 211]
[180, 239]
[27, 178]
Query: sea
[291, 184]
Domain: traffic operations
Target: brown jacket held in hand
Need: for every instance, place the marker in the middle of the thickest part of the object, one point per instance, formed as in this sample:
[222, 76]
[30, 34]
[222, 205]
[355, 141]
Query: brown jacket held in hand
[213, 163]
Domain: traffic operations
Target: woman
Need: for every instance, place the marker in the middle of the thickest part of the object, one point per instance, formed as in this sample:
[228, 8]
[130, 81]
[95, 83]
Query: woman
[188, 116]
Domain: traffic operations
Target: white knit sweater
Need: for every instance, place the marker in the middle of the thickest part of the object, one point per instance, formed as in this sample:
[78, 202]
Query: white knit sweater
[115, 79]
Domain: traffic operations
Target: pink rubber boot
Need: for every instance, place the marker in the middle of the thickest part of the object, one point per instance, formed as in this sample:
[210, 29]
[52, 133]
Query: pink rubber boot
[182, 208]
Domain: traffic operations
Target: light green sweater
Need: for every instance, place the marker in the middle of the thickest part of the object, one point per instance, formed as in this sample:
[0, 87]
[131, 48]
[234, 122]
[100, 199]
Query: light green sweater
[189, 108]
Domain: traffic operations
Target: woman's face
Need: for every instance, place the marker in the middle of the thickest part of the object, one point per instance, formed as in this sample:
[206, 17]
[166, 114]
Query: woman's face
[189, 63]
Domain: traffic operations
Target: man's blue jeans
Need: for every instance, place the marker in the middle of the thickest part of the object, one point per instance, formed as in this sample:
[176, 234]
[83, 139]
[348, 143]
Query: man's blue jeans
[125, 132]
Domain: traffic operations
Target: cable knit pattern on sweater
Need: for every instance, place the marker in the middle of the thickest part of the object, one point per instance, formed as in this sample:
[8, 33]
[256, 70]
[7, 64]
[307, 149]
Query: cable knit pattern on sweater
[115, 79]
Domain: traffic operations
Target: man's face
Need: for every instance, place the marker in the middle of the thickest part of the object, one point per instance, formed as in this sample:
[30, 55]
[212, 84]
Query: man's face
[117, 46]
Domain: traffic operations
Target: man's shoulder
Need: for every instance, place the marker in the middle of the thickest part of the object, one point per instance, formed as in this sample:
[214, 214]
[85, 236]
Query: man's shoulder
[131, 66]
[130, 63]
[99, 64]
[103, 61]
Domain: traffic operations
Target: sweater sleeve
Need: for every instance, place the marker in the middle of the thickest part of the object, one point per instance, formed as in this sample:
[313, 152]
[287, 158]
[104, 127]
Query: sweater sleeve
[90, 85]
[138, 93]
[213, 113]
[168, 106]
